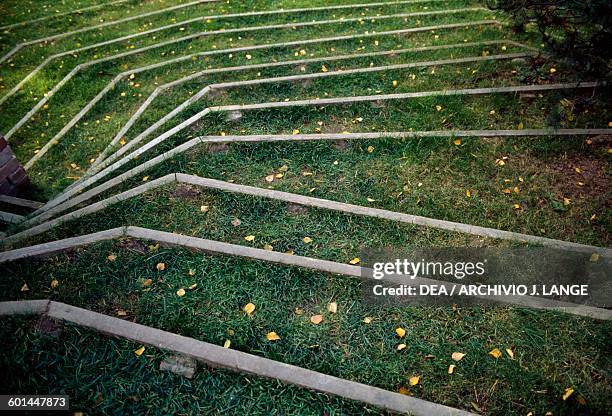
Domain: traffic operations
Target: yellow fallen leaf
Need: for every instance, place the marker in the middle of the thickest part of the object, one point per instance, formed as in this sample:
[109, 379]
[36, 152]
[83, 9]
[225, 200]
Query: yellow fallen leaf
[160, 266]
[146, 178]
[457, 356]
[367, 320]
[370, 149]
[468, 193]
[139, 351]
[227, 343]
[316, 319]
[191, 272]
[249, 238]
[272, 336]
[457, 142]
[594, 258]
[401, 332]
[307, 240]
[404, 391]
[204, 208]
[180, 293]
[394, 83]
[147, 282]
[121, 312]
[193, 286]
[356, 260]
[451, 368]
[401, 347]
[516, 206]
[438, 108]
[414, 380]
[510, 353]
[568, 392]
[249, 308]
[324, 68]
[332, 307]
[553, 70]
[111, 257]
[54, 283]
[495, 353]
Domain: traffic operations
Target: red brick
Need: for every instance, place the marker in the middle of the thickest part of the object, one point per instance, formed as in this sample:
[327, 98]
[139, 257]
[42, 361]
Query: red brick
[9, 167]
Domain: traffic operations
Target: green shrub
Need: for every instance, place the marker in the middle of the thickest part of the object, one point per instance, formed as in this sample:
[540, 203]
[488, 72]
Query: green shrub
[578, 31]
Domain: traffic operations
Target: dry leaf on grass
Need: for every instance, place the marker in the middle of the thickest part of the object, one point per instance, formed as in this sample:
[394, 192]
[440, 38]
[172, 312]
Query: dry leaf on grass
[495, 353]
[139, 351]
[316, 319]
[332, 307]
[414, 380]
[249, 308]
[401, 332]
[457, 356]
[272, 336]
[404, 391]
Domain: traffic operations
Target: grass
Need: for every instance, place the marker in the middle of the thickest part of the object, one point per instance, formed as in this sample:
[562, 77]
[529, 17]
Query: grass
[552, 352]
[560, 186]
[129, 385]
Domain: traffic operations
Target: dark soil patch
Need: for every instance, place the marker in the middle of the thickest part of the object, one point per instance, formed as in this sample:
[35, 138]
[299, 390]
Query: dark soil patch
[582, 176]
[48, 326]
[341, 145]
[133, 245]
[296, 209]
[217, 148]
[186, 192]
